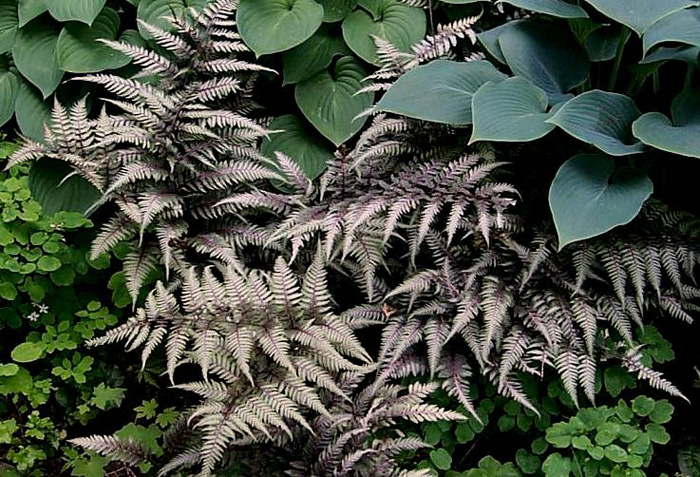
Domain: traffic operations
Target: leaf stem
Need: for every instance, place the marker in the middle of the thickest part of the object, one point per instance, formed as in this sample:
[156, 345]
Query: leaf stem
[618, 58]
[689, 77]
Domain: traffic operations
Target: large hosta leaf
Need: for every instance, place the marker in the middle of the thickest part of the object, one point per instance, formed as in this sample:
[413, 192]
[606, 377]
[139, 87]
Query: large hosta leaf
[681, 135]
[155, 12]
[440, 91]
[589, 197]
[336, 10]
[271, 26]
[8, 24]
[688, 54]
[9, 88]
[639, 15]
[602, 119]
[75, 10]
[330, 102]
[555, 66]
[680, 27]
[31, 112]
[34, 53]
[313, 55]
[300, 142]
[29, 10]
[74, 195]
[556, 8]
[401, 25]
[79, 50]
[513, 110]
[489, 39]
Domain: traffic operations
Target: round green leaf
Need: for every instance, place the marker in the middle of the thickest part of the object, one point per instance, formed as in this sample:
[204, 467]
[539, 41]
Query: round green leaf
[680, 27]
[8, 24]
[8, 291]
[555, 66]
[588, 197]
[300, 143]
[29, 10]
[31, 112]
[154, 12]
[441, 459]
[7, 370]
[329, 100]
[79, 50]
[662, 412]
[513, 110]
[643, 406]
[557, 465]
[336, 10]
[657, 433]
[615, 453]
[539, 446]
[84, 11]
[34, 53]
[639, 15]
[74, 195]
[47, 263]
[313, 55]
[680, 136]
[527, 462]
[640, 445]
[27, 352]
[555, 8]
[399, 24]
[271, 26]
[440, 91]
[9, 88]
[602, 119]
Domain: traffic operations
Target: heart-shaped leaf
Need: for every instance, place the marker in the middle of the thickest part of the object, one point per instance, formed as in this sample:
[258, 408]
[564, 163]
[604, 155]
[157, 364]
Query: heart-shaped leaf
[554, 66]
[155, 12]
[513, 110]
[74, 195]
[29, 10]
[31, 112]
[604, 42]
[639, 15]
[8, 24]
[79, 50]
[399, 24]
[602, 119]
[312, 56]
[680, 136]
[440, 91]
[555, 8]
[336, 10]
[489, 39]
[84, 11]
[588, 197]
[34, 53]
[300, 143]
[27, 352]
[329, 100]
[9, 88]
[680, 27]
[271, 26]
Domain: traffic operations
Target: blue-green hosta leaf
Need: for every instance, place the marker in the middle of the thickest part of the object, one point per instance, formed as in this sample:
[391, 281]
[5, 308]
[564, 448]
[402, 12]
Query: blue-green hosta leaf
[336, 10]
[688, 54]
[639, 15]
[313, 55]
[440, 91]
[680, 27]
[154, 12]
[555, 66]
[34, 53]
[8, 24]
[513, 110]
[84, 11]
[74, 195]
[588, 197]
[79, 50]
[679, 135]
[300, 143]
[330, 102]
[401, 25]
[271, 26]
[9, 88]
[31, 112]
[29, 10]
[489, 39]
[602, 119]
[604, 42]
[556, 8]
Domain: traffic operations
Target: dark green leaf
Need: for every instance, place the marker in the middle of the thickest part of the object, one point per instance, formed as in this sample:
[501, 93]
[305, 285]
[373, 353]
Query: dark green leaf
[9, 89]
[84, 11]
[556, 8]
[336, 10]
[34, 54]
[639, 15]
[31, 112]
[75, 194]
[8, 24]
[29, 10]
[441, 459]
[312, 56]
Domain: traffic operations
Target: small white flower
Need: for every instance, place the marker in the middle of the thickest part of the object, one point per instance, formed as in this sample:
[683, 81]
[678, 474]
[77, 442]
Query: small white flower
[43, 308]
[33, 316]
